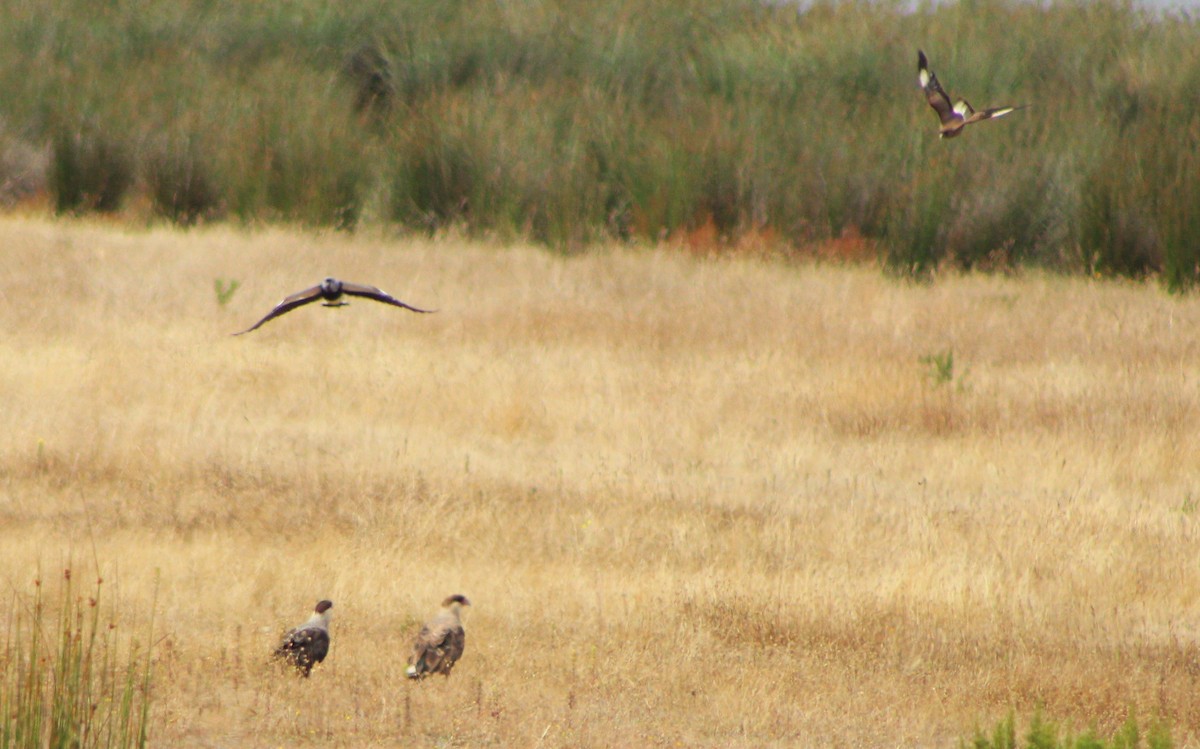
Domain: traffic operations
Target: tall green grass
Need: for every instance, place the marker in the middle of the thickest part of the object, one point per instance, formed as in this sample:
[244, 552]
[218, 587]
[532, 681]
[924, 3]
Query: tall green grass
[570, 122]
[1044, 734]
[65, 679]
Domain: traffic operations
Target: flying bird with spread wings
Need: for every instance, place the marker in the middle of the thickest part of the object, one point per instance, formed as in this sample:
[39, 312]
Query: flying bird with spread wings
[307, 645]
[954, 117]
[440, 643]
[331, 291]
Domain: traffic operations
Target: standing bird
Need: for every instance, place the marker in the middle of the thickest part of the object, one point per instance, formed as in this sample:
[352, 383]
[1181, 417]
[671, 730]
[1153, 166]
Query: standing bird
[331, 290]
[440, 643]
[307, 645]
[954, 117]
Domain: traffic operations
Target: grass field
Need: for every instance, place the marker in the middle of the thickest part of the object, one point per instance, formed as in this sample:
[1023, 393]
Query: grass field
[696, 502]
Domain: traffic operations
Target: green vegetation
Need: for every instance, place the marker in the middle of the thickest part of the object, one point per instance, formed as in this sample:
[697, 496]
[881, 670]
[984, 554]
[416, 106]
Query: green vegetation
[224, 289]
[1043, 734]
[939, 367]
[569, 122]
[64, 680]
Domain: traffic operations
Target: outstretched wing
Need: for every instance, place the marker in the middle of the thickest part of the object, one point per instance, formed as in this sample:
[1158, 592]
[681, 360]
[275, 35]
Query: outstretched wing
[994, 112]
[371, 292]
[288, 304]
[934, 93]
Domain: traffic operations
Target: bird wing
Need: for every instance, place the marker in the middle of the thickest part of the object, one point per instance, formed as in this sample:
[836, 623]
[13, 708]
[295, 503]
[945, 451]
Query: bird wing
[934, 93]
[371, 292]
[288, 304]
[454, 645]
[994, 112]
[304, 648]
[438, 646]
[318, 646]
[311, 640]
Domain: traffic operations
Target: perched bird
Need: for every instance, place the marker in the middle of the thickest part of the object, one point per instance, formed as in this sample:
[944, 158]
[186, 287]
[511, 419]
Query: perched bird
[954, 117]
[440, 643]
[331, 290]
[307, 645]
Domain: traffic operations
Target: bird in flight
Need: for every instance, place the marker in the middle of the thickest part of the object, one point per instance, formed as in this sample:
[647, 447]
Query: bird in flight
[331, 290]
[307, 645]
[440, 643]
[954, 117]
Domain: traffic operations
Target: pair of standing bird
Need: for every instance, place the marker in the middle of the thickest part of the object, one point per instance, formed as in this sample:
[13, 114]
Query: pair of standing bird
[436, 649]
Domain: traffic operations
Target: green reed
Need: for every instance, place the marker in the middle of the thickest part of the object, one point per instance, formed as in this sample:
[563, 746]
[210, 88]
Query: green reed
[569, 123]
[66, 678]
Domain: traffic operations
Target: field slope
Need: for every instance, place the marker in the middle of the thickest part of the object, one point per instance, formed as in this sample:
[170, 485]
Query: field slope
[695, 502]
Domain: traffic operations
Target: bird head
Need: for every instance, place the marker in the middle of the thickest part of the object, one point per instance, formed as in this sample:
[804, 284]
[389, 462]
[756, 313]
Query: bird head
[322, 612]
[457, 600]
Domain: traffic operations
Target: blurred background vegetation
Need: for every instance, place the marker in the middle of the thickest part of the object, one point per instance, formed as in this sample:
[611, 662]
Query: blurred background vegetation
[570, 122]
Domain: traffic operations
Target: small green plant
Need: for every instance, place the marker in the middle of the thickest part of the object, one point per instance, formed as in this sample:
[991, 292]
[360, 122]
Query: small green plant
[224, 289]
[1044, 734]
[64, 679]
[939, 367]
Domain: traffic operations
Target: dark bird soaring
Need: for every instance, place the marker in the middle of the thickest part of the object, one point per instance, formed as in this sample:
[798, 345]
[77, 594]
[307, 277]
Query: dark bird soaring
[440, 643]
[954, 117]
[330, 290]
[307, 645]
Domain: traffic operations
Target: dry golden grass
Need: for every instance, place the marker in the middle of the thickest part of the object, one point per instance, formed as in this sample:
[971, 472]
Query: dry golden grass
[695, 502]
